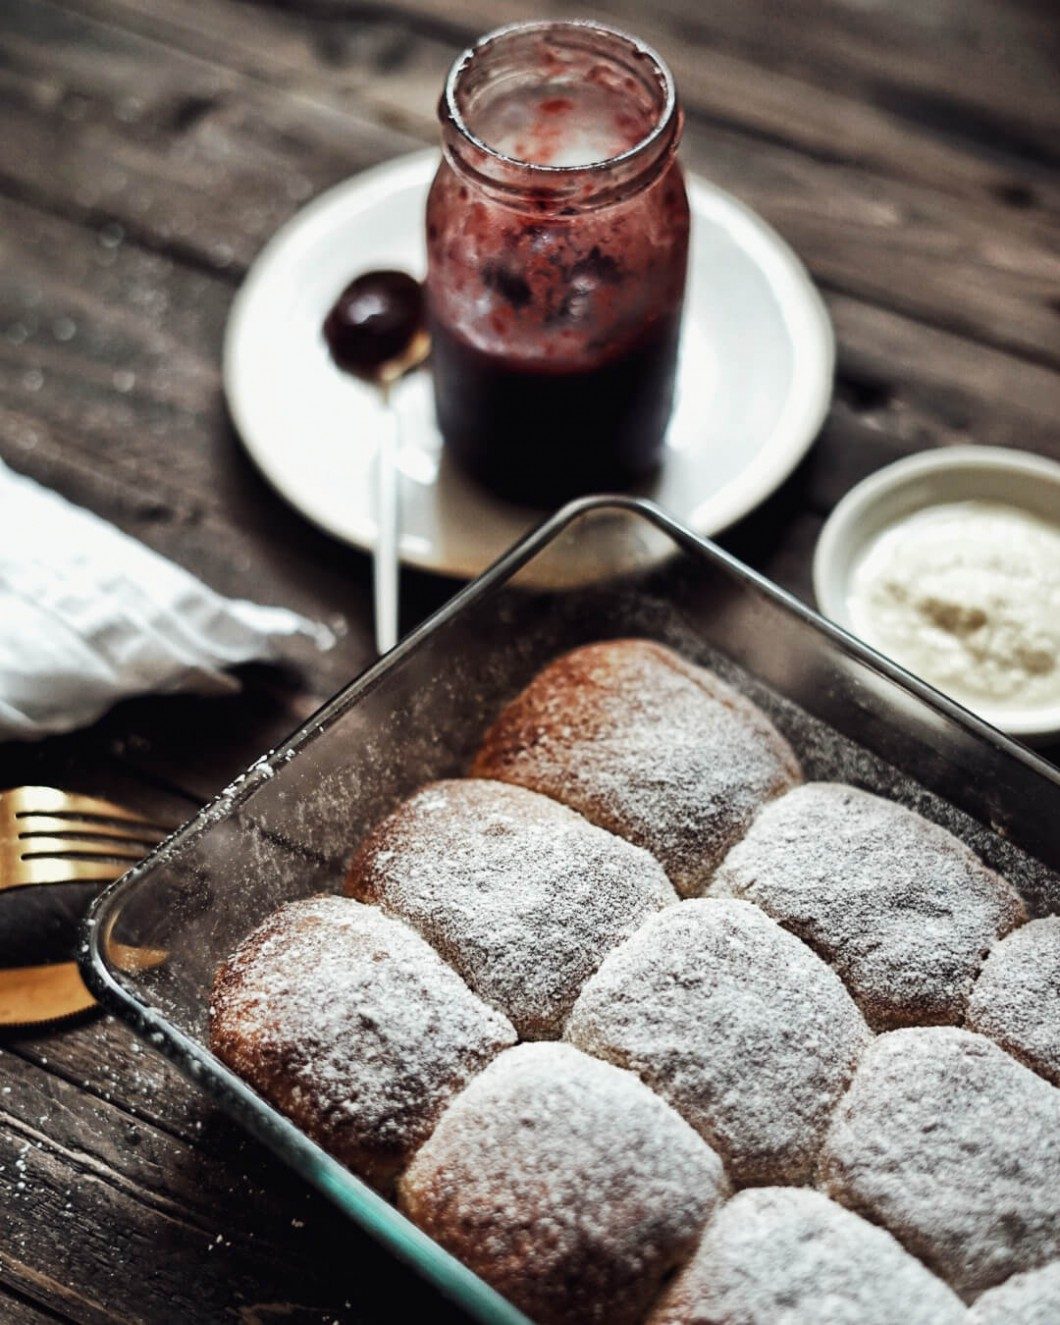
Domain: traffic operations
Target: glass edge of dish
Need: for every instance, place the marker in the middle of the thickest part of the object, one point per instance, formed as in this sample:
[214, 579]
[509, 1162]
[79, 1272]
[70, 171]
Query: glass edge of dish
[368, 1209]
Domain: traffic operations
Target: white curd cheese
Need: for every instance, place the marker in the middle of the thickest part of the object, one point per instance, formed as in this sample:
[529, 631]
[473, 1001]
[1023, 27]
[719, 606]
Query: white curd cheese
[967, 596]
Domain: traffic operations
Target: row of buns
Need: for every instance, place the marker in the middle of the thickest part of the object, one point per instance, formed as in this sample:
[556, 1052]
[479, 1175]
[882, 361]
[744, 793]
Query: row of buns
[635, 867]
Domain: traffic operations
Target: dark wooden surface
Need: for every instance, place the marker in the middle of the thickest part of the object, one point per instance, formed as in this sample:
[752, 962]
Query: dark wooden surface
[908, 152]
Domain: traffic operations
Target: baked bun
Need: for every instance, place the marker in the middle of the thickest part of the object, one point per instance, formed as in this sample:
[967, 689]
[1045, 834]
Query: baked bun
[783, 1254]
[1016, 1000]
[953, 1146]
[1025, 1299]
[351, 1025]
[523, 896]
[903, 910]
[734, 1022]
[566, 1184]
[646, 745]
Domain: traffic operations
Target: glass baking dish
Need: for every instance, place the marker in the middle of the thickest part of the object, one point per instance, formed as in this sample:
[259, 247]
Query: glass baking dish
[602, 567]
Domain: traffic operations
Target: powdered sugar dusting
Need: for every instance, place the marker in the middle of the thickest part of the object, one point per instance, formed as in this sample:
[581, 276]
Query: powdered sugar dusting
[786, 1255]
[647, 745]
[565, 1183]
[747, 1033]
[955, 1148]
[1016, 1000]
[426, 727]
[350, 1024]
[1026, 1299]
[904, 911]
[521, 894]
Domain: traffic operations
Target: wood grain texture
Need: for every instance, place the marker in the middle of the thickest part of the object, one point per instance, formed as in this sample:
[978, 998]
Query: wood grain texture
[94, 1197]
[908, 152]
[838, 95]
[17, 1310]
[983, 268]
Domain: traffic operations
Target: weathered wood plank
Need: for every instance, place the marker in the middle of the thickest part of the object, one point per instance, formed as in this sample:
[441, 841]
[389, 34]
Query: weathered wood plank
[956, 389]
[902, 387]
[152, 1166]
[981, 72]
[898, 244]
[831, 105]
[106, 1218]
[182, 151]
[102, 1059]
[20, 1311]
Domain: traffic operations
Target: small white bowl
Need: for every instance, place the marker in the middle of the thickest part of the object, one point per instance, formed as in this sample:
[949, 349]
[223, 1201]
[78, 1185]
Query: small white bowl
[959, 473]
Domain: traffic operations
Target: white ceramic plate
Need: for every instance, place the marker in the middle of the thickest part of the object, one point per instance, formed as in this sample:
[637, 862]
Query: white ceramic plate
[754, 379]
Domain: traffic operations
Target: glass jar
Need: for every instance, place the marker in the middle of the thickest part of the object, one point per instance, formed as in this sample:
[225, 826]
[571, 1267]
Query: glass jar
[557, 242]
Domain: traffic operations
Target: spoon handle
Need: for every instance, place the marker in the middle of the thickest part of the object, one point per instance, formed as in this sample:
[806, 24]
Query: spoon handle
[385, 554]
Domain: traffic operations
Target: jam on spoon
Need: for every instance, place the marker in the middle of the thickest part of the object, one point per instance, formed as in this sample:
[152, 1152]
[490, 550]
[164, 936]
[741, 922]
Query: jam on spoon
[376, 331]
[374, 324]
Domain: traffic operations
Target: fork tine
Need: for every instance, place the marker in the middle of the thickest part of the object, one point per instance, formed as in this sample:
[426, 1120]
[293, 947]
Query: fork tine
[34, 826]
[23, 802]
[36, 847]
[50, 836]
[54, 869]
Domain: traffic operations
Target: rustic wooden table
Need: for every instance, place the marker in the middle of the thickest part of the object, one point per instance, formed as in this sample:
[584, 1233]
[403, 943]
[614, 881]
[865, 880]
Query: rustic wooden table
[907, 150]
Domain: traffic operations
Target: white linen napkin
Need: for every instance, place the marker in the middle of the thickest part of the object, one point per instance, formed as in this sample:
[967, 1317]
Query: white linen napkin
[89, 616]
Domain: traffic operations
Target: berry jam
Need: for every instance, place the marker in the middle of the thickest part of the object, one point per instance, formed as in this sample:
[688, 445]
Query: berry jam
[557, 239]
[539, 434]
[373, 321]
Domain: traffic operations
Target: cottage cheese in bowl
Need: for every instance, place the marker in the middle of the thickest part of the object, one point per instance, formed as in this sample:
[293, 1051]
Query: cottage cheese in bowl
[949, 563]
[967, 595]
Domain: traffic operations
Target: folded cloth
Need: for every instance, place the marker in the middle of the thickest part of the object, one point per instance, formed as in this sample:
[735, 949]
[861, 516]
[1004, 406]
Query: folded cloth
[89, 616]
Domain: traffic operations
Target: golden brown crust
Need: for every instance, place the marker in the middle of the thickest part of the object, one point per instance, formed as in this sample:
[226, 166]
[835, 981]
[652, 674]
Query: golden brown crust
[353, 1027]
[566, 1184]
[646, 745]
[522, 895]
[954, 1147]
[1016, 1000]
[775, 1254]
[736, 1024]
[901, 908]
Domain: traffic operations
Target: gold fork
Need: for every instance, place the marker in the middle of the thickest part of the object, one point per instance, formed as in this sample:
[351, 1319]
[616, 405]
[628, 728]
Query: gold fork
[48, 837]
[51, 836]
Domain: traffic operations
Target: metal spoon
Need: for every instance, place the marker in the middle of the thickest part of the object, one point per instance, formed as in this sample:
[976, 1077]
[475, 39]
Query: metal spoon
[375, 331]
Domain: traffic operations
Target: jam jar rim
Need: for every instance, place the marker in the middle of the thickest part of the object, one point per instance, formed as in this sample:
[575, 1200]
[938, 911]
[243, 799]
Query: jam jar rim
[656, 148]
